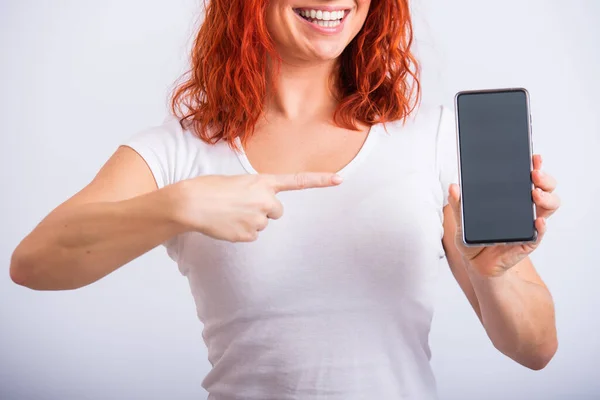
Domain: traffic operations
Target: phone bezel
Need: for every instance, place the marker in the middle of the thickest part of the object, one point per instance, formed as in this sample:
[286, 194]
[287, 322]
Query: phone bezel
[533, 239]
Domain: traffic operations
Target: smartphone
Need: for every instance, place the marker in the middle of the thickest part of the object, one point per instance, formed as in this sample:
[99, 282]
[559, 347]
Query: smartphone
[495, 150]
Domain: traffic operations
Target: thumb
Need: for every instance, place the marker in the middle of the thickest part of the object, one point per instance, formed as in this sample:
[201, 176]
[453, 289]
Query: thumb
[454, 201]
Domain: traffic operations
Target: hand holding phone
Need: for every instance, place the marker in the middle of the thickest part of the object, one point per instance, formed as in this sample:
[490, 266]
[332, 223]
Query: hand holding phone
[495, 203]
[495, 166]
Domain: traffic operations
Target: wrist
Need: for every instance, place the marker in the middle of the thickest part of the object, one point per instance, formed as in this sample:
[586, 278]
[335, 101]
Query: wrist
[171, 202]
[484, 272]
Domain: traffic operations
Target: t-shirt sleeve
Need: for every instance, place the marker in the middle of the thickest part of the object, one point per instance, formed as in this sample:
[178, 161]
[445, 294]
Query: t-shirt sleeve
[446, 151]
[164, 149]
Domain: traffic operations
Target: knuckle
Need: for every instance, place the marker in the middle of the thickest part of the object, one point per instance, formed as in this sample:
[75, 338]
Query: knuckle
[254, 180]
[258, 221]
[247, 236]
[258, 182]
[301, 181]
[267, 186]
[263, 224]
[253, 236]
[324, 180]
[266, 203]
[276, 213]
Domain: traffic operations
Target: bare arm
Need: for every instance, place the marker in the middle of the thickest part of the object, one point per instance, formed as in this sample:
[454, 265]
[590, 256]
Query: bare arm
[119, 216]
[516, 308]
[122, 214]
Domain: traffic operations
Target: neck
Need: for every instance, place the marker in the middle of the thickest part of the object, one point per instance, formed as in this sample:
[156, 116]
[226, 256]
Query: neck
[303, 92]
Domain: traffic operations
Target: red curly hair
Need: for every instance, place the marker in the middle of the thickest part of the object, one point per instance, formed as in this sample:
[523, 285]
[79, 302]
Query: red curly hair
[223, 95]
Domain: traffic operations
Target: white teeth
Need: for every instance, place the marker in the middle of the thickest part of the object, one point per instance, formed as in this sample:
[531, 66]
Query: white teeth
[323, 15]
[327, 24]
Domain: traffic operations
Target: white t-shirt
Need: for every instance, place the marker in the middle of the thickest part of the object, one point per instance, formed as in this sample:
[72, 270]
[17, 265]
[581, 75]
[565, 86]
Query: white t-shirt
[334, 300]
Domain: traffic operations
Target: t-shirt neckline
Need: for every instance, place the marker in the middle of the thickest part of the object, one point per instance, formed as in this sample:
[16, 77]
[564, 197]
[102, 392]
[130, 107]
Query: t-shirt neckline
[363, 152]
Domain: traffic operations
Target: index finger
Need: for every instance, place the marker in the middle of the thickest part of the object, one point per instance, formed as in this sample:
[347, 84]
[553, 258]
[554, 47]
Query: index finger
[304, 180]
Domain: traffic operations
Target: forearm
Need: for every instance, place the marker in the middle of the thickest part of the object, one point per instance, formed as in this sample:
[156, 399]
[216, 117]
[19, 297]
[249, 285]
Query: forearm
[518, 316]
[75, 247]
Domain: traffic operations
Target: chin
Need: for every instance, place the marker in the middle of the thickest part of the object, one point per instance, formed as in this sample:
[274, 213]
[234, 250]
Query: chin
[325, 57]
[326, 53]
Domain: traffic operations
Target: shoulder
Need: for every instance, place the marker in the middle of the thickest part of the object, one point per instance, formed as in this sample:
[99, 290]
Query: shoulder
[176, 140]
[172, 152]
[169, 133]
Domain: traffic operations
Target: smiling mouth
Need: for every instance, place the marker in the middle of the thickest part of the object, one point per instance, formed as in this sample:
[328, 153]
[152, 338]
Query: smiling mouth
[326, 19]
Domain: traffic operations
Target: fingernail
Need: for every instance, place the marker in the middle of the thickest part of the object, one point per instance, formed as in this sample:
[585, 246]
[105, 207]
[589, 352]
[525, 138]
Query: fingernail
[337, 179]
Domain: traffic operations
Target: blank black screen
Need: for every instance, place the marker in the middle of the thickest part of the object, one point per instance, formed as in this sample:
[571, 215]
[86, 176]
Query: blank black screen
[495, 166]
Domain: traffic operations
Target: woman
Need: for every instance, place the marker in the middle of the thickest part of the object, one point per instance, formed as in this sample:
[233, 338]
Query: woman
[333, 299]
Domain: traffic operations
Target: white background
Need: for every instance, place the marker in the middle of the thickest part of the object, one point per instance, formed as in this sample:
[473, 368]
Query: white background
[79, 77]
